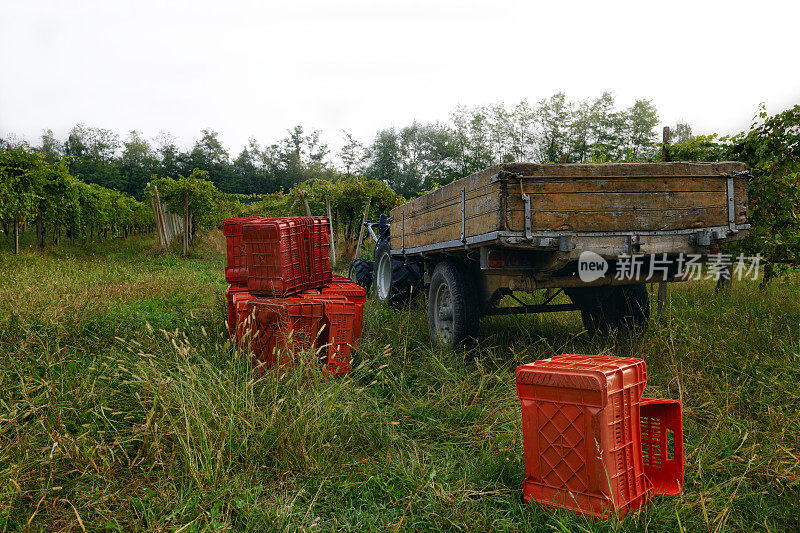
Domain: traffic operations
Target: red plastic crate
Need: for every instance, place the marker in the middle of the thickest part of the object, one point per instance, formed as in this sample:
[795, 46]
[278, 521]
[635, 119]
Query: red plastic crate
[581, 433]
[287, 255]
[229, 293]
[662, 444]
[318, 251]
[236, 268]
[338, 334]
[356, 294]
[275, 256]
[283, 328]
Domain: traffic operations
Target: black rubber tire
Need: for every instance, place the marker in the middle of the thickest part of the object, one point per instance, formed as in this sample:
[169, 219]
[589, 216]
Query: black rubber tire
[622, 307]
[466, 309]
[405, 278]
[361, 272]
[635, 312]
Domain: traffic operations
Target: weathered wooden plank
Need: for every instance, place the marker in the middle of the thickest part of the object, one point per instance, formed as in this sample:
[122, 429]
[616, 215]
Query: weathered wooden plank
[622, 201]
[622, 170]
[591, 185]
[535, 186]
[442, 195]
[450, 231]
[482, 215]
[627, 221]
[452, 198]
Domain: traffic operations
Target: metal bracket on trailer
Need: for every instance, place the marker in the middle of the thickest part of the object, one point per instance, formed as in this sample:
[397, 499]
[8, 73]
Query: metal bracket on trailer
[464, 215]
[731, 205]
[526, 199]
[403, 232]
[729, 190]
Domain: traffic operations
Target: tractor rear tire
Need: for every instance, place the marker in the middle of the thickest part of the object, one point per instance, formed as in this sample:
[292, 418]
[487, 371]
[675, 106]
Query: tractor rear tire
[361, 272]
[396, 281]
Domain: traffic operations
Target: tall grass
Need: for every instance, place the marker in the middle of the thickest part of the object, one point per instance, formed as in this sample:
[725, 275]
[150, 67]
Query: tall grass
[123, 406]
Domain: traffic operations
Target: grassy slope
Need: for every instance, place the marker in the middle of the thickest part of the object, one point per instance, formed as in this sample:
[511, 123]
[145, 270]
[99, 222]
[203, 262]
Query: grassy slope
[122, 406]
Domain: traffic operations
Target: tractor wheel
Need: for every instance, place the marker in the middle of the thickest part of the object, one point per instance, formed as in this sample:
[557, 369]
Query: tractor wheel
[396, 282]
[361, 272]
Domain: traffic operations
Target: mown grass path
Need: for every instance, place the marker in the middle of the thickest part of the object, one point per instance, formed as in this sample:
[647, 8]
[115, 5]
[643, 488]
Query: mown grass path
[122, 406]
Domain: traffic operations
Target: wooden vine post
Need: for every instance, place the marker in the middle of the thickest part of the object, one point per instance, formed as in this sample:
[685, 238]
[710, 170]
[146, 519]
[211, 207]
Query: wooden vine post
[159, 219]
[186, 224]
[330, 222]
[361, 231]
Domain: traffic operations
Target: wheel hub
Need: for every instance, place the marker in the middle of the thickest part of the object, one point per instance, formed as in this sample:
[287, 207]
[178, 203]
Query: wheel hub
[443, 317]
[383, 277]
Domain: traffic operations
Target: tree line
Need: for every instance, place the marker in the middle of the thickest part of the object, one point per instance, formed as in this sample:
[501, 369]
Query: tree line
[48, 197]
[410, 159]
[91, 181]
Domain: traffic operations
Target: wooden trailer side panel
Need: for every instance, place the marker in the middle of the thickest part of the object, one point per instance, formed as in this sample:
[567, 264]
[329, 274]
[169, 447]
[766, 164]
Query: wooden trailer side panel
[575, 198]
[629, 204]
[436, 217]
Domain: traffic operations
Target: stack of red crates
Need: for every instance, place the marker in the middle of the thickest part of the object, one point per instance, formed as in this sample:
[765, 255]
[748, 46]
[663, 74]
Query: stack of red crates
[283, 297]
[593, 444]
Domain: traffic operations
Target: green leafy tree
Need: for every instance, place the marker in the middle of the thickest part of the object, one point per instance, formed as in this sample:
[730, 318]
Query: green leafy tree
[22, 173]
[59, 204]
[137, 163]
[553, 117]
[772, 151]
[352, 155]
[642, 119]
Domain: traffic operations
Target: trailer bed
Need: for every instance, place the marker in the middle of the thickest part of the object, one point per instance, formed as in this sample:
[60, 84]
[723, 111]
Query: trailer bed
[534, 206]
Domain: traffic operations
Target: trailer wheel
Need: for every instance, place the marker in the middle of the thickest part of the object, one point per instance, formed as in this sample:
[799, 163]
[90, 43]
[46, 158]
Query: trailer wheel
[635, 308]
[396, 282]
[453, 306]
[361, 272]
[604, 308]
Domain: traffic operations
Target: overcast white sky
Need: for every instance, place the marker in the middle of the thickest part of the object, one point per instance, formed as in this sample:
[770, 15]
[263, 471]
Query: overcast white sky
[258, 68]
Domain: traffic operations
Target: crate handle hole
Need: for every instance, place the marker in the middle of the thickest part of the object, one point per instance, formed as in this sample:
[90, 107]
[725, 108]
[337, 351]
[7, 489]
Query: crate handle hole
[670, 444]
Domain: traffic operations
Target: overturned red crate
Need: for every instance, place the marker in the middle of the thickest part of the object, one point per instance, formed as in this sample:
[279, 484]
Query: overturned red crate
[284, 327]
[232, 291]
[356, 294]
[236, 267]
[662, 444]
[243, 323]
[276, 262]
[581, 433]
[338, 334]
[245, 327]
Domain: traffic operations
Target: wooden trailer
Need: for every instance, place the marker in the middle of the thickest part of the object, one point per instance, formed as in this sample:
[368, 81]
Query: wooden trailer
[523, 227]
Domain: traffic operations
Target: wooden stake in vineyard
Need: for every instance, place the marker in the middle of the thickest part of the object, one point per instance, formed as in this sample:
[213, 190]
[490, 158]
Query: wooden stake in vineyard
[330, 222]
[186, 224]
[361, 231]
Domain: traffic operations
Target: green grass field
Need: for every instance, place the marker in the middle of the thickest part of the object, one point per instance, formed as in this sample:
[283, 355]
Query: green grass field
[123, 407]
